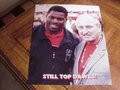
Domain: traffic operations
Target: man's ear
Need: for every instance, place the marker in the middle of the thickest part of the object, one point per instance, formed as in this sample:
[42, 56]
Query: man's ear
[66, 18]
[46, 14]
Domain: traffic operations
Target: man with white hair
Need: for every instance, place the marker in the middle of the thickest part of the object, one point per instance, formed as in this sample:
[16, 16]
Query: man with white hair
[91, 65]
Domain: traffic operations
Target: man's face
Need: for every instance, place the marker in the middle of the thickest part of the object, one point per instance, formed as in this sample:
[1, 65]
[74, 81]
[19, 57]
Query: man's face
[55, 21]
[88, 29]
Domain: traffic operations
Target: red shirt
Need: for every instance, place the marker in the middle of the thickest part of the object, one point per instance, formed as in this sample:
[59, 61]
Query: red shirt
[86, 54]
[55, 39]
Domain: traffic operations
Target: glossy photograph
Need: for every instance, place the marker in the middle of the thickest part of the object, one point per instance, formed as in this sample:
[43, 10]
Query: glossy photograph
[68, 46]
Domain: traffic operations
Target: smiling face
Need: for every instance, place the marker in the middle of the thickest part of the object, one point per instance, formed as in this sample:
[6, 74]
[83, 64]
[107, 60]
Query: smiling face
[89, 28]
[55, 21]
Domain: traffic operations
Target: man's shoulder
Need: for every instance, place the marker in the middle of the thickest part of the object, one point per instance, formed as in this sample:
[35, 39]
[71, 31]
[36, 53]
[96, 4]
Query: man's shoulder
[38, 31]
[36, 28]
[72, 36]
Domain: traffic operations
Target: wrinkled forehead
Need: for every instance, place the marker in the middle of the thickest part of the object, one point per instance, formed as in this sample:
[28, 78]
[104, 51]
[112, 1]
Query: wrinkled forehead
[86, 20]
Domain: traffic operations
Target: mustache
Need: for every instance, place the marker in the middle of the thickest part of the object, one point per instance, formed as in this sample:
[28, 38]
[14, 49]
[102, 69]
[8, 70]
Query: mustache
[54, 23]
[87, 33]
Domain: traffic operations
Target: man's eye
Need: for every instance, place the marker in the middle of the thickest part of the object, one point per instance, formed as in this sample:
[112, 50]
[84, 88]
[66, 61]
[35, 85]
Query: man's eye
[88, 26]
[60, 19]
[52, 17]
[80, 27]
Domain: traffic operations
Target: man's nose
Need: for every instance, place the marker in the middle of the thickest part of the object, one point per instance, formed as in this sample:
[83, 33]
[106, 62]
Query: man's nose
[85, 30]
[55, 20]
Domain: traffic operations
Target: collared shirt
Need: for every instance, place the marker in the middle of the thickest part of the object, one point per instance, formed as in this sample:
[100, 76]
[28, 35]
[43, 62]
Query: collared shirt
[55, 39]
[86, 54]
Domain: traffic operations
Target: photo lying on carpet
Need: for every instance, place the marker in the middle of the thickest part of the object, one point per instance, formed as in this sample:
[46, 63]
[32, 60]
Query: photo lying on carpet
[68, 46]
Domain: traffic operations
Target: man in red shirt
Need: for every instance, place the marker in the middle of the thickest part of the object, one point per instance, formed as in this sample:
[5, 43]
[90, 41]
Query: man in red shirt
[52, 49]
[91, 60]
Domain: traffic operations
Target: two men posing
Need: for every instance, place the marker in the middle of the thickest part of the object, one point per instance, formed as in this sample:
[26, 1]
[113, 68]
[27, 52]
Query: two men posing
[55, 50]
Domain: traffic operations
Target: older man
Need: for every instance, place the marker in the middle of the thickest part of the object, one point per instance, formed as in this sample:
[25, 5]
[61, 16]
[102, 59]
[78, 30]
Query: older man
[91, 65]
